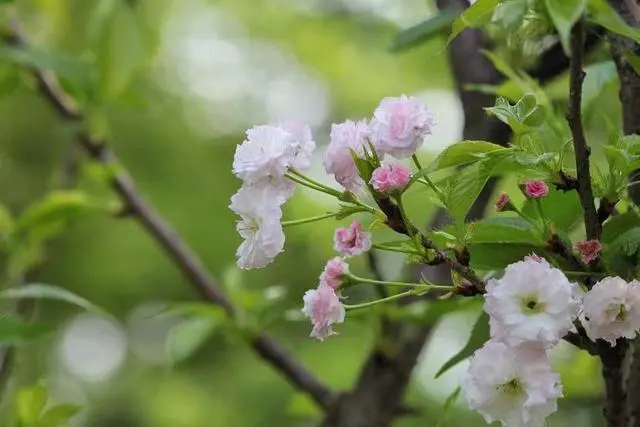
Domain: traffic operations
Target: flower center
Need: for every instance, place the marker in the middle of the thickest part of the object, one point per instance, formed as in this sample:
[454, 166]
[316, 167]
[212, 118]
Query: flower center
[250, 224]
[531, 305]
[617, 311]
[512, 388]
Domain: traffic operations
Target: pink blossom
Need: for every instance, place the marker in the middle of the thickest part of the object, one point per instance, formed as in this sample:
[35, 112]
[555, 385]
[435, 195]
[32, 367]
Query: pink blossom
[338, 162]
[400, 125]
[333, 272]
[351, 241]
[534, 257]
[390, 178]
[535, 189]
[324, 308]
[589, 250]
[502, 201]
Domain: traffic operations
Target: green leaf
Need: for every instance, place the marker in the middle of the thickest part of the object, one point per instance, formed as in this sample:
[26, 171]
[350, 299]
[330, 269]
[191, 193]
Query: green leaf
[122, 51]
[198, 309]
[49, 216]
[525, 114]
[460, 190]
[463, 153]
[505, 230]
[302, 406]
[30, 403]
[598, 76]
[70, 70]
[565, 13]
[15, 331]
[496, 256]
[617, 225]
[50, 292]
[449, 404]
[601, 13]
[186, 338]
[623, 254]
[634, 60]
[420, 33]
[479, 336]
[474, 16]
[563, 209]
[59, 415]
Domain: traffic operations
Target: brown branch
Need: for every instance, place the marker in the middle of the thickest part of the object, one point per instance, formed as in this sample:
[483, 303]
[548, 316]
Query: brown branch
[181, 254]
[396, 222]
[574, 117]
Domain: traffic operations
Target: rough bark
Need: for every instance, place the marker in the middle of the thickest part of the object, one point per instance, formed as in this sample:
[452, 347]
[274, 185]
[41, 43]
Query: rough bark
[622, 371]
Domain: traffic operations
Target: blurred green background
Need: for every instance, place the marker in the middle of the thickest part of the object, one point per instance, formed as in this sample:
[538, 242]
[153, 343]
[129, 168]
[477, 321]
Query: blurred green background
[180, 81]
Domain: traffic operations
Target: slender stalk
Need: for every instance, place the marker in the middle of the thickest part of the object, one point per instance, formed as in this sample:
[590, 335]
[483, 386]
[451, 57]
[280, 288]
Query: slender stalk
[322, 189]
[380, 301]
[308, 220]
[314, 182]
[395, 249]
[423, 286]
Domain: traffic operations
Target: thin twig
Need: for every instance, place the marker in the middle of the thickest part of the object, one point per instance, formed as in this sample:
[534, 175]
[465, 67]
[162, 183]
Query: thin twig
[574, 117]
[190, 264]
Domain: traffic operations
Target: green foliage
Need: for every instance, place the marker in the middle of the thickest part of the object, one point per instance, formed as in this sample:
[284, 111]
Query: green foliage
[14, 331]
[601, 13]
[462, 153]
[476, 15]
[418, 34]
[121, 46]
[622, 154]
[615, 226]
[31, 409]
[460, 190]
[565, 13]
[623, 254]
[39, 291]
[75, 75]
[479, 336]
[45, 219]
[200, 321]
[525, 115]
[448, 406]
[496, 256]
[505, 230]
[560, 208]
[186, 338]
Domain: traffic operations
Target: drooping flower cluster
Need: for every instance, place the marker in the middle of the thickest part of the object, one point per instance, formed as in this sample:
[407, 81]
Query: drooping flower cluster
[531, 308]
[270, 153]
[322, 305]
[261, 162]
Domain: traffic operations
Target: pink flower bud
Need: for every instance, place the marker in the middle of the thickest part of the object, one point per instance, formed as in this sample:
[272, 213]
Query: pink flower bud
[589, 250]
[502, 201]
[535, 189]
[390, 178]
[351, 241]
[333, 272]
[324, 308]
[536, 258]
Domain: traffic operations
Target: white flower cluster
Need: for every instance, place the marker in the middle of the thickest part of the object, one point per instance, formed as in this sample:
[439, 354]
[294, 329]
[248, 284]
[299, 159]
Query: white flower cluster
[261, 162]
[398, 127]
[531, 308]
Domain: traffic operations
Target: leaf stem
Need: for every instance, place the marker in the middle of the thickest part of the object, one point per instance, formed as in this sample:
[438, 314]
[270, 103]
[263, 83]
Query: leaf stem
[395, 249]
[310, 219]
[380, 301]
